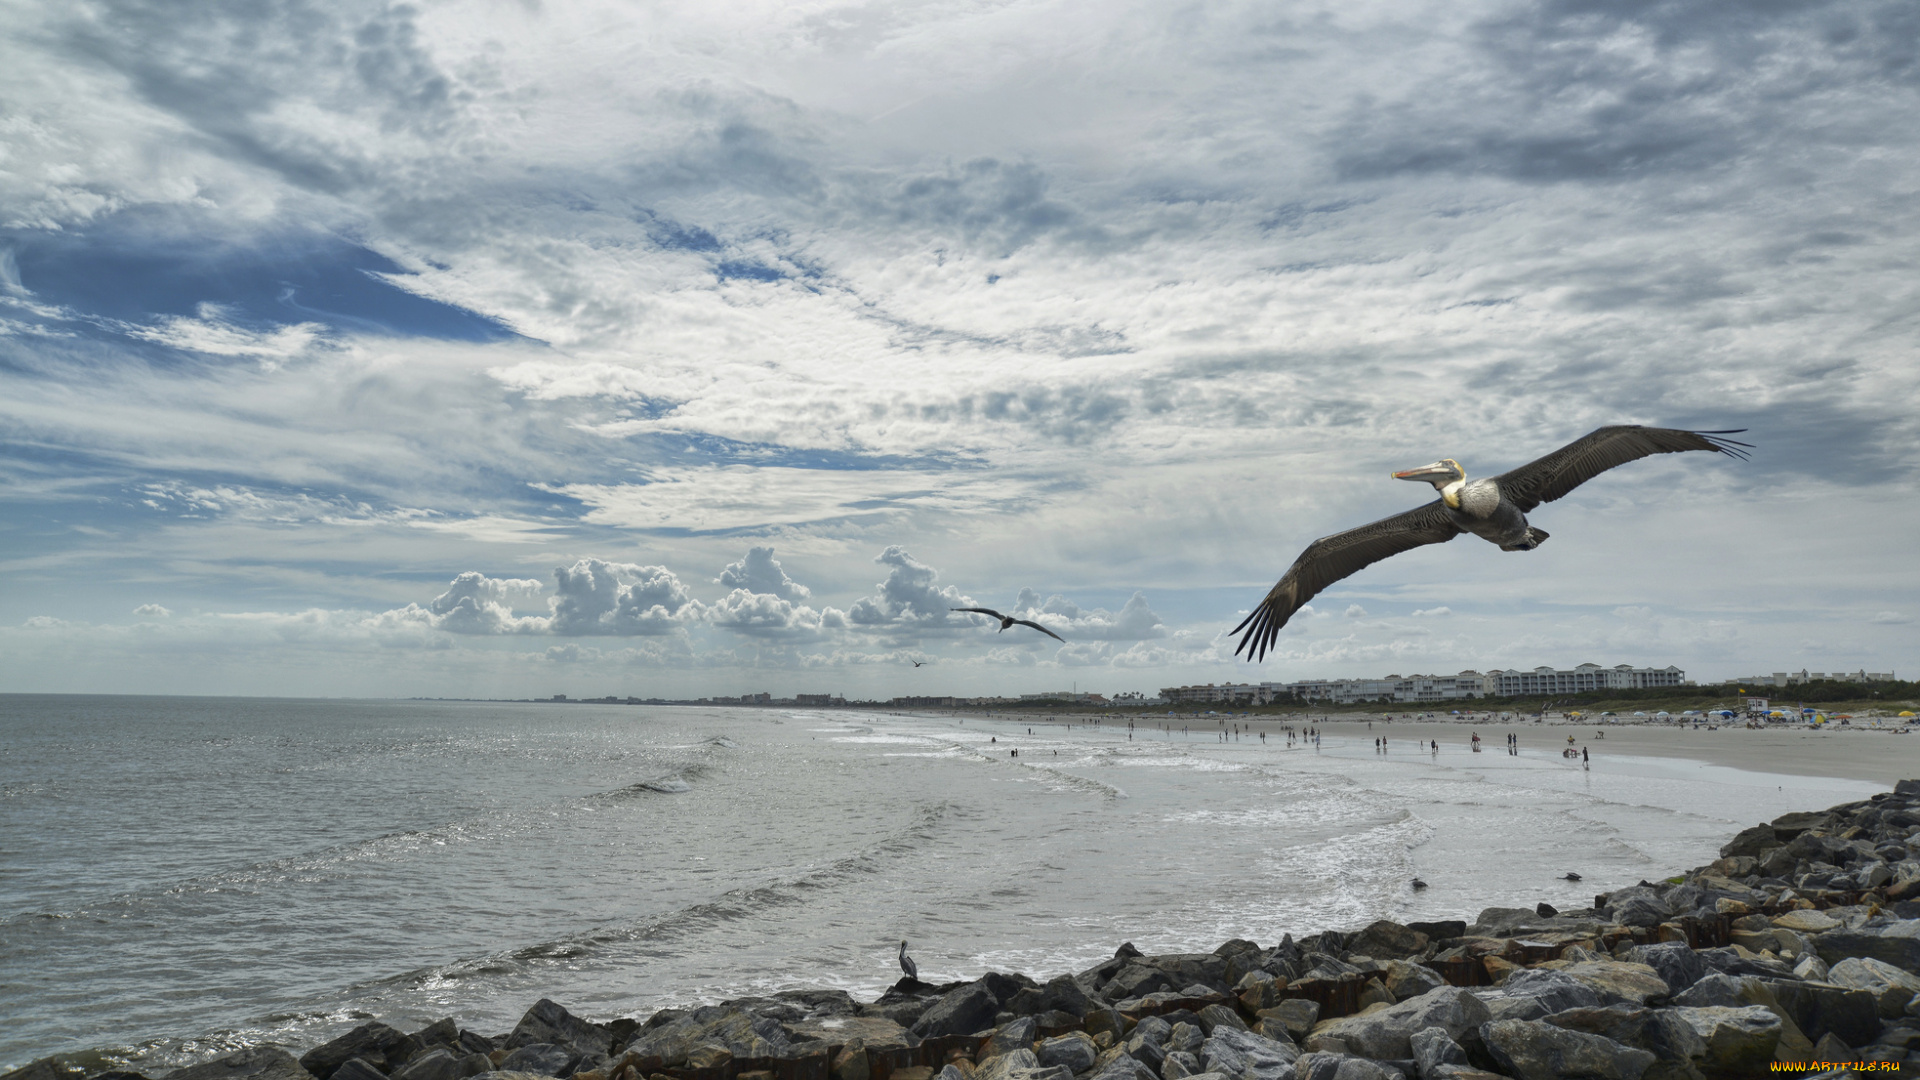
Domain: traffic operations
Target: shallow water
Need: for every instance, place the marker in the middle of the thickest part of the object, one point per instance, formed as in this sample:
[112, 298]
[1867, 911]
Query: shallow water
[180, 876]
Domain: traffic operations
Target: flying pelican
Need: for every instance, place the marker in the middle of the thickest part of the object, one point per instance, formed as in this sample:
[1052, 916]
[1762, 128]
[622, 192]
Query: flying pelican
[906, 963]
[1494, 509]
[1008, 620]
[1571, 877]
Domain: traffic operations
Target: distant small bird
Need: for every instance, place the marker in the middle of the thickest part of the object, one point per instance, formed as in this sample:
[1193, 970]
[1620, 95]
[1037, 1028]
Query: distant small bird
[1571, 877]
[1418, 884]
[906, 963]
[919, 663]
[1008, 620]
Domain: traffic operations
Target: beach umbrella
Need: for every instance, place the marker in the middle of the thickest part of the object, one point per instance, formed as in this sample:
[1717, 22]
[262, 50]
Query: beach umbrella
[1909, 712]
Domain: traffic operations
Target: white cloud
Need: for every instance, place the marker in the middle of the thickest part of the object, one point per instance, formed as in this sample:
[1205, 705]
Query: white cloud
[1355, 611]
[477, 604]
[909, 600]
[594, 596]
[743, 496]
[1890, 618]
[213, 334]
[1432, 613]
[1135, 621]
[153, 611]
[760, 572]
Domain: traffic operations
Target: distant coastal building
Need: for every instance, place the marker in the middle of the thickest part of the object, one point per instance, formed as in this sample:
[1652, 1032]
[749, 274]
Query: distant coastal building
[1419, 689]
[819, 700]
[1788, 678]
[1580, 680]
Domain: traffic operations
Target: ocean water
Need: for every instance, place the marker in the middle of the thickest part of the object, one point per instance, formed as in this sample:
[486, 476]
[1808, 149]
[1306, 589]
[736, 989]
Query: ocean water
[179, 877]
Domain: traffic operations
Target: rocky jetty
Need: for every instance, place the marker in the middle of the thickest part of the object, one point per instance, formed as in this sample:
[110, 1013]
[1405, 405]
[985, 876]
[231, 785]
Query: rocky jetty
[1800, 944]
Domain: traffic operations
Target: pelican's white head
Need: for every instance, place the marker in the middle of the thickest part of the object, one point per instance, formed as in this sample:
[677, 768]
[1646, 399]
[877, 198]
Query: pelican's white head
[1445, 475]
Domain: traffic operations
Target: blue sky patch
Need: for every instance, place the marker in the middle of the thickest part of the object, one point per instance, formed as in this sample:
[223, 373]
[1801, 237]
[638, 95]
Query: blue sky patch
[129, 271]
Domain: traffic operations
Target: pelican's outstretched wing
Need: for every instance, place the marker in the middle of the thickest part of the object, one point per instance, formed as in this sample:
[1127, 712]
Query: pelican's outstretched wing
[1331, 558]
[1042, 629]
[1590, 455]
[981, 610]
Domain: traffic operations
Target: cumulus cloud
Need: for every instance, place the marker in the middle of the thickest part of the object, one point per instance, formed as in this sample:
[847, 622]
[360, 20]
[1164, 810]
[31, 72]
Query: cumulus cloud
[909, 599]
[477, 604]
[1432, 613]
[1355, 611]
[594, 596]
[1135, 621]
[153, 611]
[760, 572]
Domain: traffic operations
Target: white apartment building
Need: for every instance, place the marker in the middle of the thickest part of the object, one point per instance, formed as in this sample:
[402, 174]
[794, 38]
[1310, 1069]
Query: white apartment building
[1581, 679]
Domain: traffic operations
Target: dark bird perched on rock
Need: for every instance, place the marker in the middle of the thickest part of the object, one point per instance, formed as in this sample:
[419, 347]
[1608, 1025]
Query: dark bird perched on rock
[906, 963]
[1494, 509]
[1008, 620]
[1545, 910]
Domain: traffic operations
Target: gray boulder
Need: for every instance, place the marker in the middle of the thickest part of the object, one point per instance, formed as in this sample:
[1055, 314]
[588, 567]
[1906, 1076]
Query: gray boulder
[1242, 1055]
[1121, 1067]
[961, 1011]
[253, 1063]
[545, 1059]
[1388, 940]
[548, 1023]
[1074, 1050]
[1738, 1042]
[1817, 1010]
[1016, 1065]
[1406, 980]
[356, 1069]
[1897, 944]
[1433, 1047]
[1014, 1035]
[436, 1064]
[1555, 991]
[375, 1043]
[1186, 1038]
[1891, 988]
[1677, 965]
[1214, 1017]
[1385, 1033]
[1060, 994]
[1641, 911]
[1672, 1041]
[1179, 1064]
[1531, 1050]
[1295, 1015]
[735, 1030]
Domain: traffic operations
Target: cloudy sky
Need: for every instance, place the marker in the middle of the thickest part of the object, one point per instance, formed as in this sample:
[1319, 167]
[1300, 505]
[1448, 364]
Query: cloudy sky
[511, 347]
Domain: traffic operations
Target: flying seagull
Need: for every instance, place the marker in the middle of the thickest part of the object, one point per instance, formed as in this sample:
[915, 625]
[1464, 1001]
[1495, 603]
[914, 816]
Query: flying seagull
[919, 663]
[1494, 509]
[1008, 620]
[906, 963]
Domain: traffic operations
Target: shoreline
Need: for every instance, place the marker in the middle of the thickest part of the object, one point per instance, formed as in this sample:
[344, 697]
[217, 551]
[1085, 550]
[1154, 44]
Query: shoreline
[1834, 752]
[1800, 944]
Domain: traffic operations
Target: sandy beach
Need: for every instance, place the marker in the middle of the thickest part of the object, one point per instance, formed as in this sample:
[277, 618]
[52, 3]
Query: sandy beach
[1853, 753]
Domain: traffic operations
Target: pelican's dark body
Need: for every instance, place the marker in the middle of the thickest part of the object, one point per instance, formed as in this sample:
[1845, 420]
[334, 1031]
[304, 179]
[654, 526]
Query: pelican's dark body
[1492, 508]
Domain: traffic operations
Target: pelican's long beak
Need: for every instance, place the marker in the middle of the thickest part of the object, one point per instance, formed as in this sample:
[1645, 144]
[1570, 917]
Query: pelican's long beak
[1443, 471]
